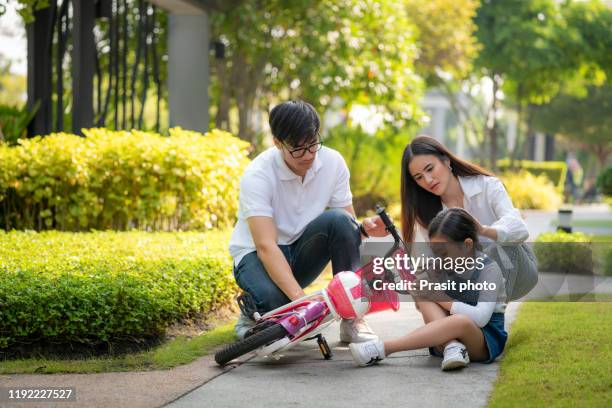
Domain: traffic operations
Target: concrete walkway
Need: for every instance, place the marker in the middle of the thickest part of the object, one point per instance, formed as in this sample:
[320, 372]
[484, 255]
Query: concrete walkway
[302, 378]
[143, 389]
[539, 221]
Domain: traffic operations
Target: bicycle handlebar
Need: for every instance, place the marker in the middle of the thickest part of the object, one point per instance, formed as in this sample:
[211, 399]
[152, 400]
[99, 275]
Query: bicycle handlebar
[390, 227]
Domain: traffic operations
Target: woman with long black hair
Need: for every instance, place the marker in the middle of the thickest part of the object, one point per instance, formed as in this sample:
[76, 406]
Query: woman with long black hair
[433, 178]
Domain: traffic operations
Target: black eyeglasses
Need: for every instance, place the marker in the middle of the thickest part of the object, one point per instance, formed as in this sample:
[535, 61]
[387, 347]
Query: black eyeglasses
[298, 153]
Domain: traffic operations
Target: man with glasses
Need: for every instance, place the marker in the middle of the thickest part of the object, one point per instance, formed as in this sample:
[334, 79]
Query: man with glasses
[295, 214]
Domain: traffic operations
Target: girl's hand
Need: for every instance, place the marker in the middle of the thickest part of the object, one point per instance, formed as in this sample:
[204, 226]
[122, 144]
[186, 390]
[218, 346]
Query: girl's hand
[375, 227]
[446, 305]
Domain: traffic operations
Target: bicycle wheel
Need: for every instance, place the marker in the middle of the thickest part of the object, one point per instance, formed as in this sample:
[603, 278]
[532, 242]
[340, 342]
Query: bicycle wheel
[256, 340]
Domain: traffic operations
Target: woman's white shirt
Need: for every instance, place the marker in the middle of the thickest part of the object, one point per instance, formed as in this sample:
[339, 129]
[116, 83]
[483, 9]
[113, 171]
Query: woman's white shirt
[487, 200]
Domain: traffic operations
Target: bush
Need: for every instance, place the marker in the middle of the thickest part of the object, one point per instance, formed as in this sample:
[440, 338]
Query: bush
[604, 181]
[105, 286]
[607, 262]
[555, 171]
[374, 162]
[531, 192]
[121, 180]
[14, 122]
[564, 252]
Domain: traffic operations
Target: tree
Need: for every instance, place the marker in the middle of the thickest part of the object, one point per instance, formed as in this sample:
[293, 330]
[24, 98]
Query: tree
[522, 53]
[591, 22]
[446, 50]
[532, 49]
[446, 42]
[585, 121]
[26, 7]
[360, 51]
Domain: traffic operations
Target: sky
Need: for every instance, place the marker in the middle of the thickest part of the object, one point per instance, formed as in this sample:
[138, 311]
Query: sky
[13, 44]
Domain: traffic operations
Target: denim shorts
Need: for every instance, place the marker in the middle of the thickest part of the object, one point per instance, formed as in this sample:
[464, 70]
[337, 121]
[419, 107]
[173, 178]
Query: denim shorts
[495, 338]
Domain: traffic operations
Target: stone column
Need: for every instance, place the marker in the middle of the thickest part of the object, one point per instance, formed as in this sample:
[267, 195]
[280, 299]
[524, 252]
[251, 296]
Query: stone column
[188, 70]
[438, 123]
[540, 147]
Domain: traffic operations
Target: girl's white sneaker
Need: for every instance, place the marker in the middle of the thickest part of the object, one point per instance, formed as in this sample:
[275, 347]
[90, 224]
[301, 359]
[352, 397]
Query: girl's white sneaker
[368, 353]
[455, 356]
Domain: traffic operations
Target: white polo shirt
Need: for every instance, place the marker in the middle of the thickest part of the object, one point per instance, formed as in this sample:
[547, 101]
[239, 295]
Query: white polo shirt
[269, 188]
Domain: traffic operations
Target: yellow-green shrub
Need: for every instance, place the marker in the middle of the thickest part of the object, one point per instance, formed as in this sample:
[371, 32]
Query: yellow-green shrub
[121, 180]
[104, 286]
[555, 171]
[531, 192]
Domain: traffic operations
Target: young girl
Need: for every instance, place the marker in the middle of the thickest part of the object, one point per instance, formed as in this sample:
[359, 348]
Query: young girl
[462, 324]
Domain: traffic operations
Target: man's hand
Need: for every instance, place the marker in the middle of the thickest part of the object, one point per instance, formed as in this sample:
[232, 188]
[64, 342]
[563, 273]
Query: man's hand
[375, 227]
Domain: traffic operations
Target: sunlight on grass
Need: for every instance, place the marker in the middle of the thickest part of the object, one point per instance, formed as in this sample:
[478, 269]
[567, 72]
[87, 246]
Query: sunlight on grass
[559, 354]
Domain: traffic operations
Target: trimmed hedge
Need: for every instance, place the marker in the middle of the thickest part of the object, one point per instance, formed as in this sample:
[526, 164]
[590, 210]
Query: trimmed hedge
[121, 180]
[564, 252]
[555, 171]
[607, 263]
[531, 192]
[104, 286]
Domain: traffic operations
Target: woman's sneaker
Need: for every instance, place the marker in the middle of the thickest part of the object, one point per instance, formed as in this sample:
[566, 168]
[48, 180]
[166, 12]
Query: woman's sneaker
[356, 331]
[368, 353]
[455, 356]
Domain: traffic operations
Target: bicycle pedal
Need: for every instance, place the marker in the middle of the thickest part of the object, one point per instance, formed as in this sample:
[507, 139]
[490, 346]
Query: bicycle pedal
[247, 305]
[324, 347]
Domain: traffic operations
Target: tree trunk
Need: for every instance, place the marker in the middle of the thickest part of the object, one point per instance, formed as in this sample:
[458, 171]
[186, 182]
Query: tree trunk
[529, 135]
[602, 155]
[464, 117]
[247, 80]
[223, 107]
[243, 87]
[491, 124]
[245, 117]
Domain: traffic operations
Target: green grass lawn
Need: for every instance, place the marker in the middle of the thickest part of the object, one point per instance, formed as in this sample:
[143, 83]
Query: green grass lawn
[559, 354]
[180, 350]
